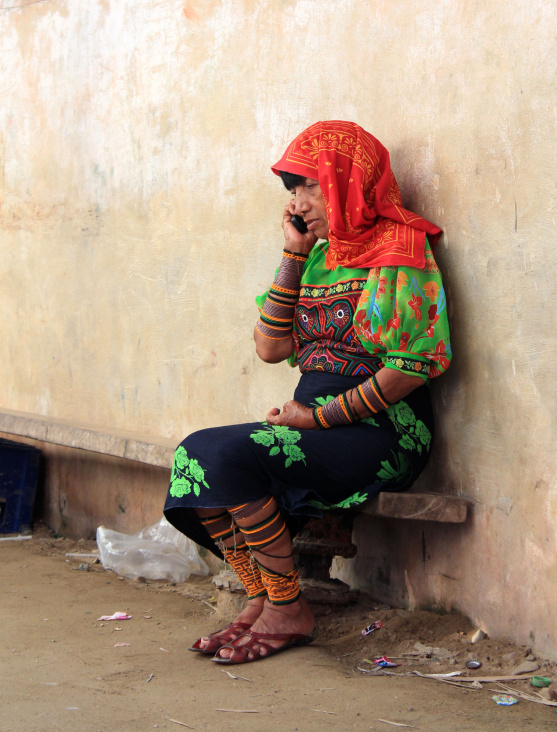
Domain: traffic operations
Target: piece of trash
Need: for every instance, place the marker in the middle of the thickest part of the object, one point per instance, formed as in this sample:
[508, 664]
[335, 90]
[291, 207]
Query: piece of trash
[164, 649]
[540, 681]
[21, 537]
[116, 616]
[239, 711]
[235, 677]
[121, 645]
[176, 721]
[147, 617]
[150, 677]
[156, 552]
[323, 711]
[370, 628]
[478, 636]
[395, 724]
[116, 628]
[84, 567]
[385, 662]
[504, 700]
[473, 664]
[214, 609]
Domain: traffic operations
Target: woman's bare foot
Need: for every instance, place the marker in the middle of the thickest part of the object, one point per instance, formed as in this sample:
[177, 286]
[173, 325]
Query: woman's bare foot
[286, 619]
[249, 615]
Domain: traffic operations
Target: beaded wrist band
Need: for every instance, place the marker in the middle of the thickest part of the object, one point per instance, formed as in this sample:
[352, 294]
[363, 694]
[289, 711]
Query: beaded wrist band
[275, 320]
[340, 410]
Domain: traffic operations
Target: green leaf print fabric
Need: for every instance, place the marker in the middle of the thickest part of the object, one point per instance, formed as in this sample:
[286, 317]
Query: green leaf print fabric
[402, 317]
[187, 475]
[280, 439]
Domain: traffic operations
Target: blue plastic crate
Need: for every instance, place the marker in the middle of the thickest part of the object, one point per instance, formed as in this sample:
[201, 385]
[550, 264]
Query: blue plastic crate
[19, 473]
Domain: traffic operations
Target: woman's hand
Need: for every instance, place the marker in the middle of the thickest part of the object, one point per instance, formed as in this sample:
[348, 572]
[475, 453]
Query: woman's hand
[293, 414]
[293, 240]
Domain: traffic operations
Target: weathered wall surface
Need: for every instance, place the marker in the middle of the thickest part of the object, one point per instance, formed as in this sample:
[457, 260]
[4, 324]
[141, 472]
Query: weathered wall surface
[139, 219]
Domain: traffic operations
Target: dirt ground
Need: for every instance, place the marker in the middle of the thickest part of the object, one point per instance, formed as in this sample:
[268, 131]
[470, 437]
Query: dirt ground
[62, 670]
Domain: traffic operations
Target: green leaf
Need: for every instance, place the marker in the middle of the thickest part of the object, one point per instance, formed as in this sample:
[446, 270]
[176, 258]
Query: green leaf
[274, 450]
[371, 421]
[321, 401]
[318, 504]
[196, 489]
[288, 463]
[352, 500]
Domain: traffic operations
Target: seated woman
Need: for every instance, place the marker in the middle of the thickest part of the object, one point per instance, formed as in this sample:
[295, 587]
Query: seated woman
[363, 314]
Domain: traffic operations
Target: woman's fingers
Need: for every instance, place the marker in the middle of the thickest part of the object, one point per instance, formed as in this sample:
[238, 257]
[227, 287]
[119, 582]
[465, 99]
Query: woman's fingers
[294, 241]
[274, 416]
[293, 414]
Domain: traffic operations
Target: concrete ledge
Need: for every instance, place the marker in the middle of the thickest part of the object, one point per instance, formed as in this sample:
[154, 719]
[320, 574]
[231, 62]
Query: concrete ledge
[61, 432]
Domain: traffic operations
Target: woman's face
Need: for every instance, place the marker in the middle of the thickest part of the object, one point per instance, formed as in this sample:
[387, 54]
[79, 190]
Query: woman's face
[310, 204]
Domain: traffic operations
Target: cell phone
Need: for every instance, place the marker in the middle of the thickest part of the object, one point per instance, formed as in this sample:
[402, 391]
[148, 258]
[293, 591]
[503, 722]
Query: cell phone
[300, 224]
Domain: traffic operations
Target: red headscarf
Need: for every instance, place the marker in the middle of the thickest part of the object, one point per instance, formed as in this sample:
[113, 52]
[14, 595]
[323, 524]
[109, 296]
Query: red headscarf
[368, 226]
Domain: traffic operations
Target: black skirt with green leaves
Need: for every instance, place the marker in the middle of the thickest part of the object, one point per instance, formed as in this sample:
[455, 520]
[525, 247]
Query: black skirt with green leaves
[307, 471]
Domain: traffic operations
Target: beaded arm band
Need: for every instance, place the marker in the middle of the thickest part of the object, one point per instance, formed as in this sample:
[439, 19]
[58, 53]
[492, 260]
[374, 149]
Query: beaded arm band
[275, 320]
[341, 410]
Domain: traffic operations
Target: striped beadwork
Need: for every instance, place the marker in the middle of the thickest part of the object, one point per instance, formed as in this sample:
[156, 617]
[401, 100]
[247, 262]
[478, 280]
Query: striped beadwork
[342, 410]
[275, 320]
[242, 562]
[282, 588]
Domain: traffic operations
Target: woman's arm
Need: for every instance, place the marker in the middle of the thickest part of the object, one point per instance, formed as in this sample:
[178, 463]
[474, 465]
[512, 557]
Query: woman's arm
[273, 332]
[272, 351]
[393, 386]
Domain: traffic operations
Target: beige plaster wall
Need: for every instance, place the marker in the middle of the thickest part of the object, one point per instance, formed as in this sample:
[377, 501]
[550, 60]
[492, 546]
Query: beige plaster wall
[139, 219]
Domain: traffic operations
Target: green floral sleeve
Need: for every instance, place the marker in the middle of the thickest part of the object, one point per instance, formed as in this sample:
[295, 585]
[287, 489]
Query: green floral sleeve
[402, 317]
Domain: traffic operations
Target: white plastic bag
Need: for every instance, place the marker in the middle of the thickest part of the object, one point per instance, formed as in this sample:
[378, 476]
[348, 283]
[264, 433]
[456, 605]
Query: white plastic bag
[157, 552]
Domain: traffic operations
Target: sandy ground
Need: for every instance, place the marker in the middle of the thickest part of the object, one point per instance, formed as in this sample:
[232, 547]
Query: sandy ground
[61, 670]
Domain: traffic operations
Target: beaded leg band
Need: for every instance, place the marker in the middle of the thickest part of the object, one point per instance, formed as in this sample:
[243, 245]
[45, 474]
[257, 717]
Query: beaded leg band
[265, 537]
[221, 528]
[282, 589]
[266, 531]
[241, 560]
[342, 409]
[275, 321]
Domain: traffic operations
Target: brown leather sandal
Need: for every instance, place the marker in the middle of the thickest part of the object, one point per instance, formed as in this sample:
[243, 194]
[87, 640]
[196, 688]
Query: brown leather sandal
[220, 638]
[241, 654]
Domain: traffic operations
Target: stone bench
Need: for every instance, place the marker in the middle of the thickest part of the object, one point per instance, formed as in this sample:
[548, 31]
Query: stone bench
[331, 536]
[127, 445]
[320, 540]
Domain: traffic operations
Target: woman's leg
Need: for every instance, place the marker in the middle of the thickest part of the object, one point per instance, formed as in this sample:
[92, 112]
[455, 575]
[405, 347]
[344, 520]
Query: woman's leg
[285, 611]
[221, 528]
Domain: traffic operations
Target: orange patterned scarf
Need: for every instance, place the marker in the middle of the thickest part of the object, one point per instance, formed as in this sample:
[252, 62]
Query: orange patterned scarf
[368, 226]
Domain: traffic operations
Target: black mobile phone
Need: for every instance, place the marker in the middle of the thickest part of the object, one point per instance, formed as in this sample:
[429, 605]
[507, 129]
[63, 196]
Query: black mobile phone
[300, 224]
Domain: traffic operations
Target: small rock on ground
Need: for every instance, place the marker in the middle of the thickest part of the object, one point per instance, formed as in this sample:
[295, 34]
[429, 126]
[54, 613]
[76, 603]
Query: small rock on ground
[526, 667]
